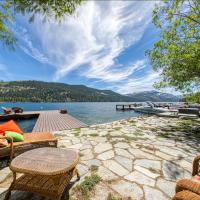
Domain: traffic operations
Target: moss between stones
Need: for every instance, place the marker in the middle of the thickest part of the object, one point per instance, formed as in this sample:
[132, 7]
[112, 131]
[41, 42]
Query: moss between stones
[94, 134]
[94, 168]
[132, 122]
[147, 147]
[83, 190]
[81, 154]
[125, 138]
[77, 132]
[117, 128]
[111, 197]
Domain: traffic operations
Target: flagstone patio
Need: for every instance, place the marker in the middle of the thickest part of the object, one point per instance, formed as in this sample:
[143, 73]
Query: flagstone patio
[139, 158]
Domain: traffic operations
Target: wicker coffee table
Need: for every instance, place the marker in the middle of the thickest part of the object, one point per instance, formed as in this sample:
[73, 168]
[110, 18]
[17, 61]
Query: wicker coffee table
[46, 171]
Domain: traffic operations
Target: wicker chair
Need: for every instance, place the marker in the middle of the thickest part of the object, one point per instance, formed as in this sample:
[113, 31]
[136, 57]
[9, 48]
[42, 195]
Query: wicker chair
[186, 195]
[31, 141]
[189, 189]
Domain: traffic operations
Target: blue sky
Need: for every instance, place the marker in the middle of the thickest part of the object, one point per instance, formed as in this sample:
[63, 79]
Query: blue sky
[102, 45]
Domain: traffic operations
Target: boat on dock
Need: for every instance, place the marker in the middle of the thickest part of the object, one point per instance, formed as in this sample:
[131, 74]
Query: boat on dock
[152, 108]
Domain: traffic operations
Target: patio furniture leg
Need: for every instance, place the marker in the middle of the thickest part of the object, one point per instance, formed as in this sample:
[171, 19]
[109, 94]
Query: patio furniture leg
[8, 194]
[76, 173]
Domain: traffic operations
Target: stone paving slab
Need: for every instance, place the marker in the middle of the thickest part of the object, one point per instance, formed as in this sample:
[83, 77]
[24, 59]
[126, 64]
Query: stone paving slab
[141, 158]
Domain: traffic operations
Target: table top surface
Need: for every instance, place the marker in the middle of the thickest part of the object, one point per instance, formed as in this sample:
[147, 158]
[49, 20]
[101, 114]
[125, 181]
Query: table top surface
[45, 161]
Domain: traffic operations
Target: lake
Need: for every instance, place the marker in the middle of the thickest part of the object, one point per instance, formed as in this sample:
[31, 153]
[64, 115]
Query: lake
[87, 112]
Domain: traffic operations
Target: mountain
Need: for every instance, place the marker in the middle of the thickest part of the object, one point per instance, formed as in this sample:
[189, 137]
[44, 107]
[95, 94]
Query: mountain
[38, 91]
[154, 96]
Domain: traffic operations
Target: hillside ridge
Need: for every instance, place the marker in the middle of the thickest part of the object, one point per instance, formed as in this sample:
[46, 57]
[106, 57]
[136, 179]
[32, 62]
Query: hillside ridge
[39, 91]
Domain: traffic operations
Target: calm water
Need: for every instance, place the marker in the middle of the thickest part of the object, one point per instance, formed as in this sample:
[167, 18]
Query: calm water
[89, 113]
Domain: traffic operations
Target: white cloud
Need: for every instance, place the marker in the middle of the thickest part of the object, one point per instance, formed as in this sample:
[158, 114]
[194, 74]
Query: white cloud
[92, 40]
[27, 46]
[143, 83]
[115, 75]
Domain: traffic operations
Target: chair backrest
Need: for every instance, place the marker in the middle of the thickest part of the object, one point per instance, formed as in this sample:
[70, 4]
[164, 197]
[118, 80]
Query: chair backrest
[11, 147]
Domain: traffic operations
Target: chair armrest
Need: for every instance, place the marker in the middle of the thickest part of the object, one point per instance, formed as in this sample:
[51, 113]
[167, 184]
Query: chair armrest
[186, 195]
[188, 184]
[195, 169]
[11, 146]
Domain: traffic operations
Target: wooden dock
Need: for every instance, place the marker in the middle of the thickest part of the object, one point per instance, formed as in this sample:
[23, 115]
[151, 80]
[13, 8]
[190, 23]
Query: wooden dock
[48, 121]
[125, 107]
[55, 121]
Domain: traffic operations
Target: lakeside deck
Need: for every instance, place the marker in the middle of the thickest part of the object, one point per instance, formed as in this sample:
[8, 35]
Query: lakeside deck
[48, 121]
[125, 107]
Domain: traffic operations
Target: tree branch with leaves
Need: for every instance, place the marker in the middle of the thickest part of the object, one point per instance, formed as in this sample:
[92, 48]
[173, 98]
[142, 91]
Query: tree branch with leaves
[177, 53]
[47, 8]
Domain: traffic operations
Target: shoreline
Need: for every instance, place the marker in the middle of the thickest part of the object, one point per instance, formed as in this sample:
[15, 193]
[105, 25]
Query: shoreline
[139, 153]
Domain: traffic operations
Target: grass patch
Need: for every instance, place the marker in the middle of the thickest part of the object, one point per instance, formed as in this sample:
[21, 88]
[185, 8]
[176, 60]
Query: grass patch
[77, 129]
[164, 135]
[94, 168]
[117, 128]
[149, 148]
[132, 122]
[125, 138]
[146, 147]
[113, 142]
[129, 138]
[112, 197]
[108, 136]
[154, 170]
[83, 190]
[77, 132]
[81, 154]
[94, 134]
[188, 122]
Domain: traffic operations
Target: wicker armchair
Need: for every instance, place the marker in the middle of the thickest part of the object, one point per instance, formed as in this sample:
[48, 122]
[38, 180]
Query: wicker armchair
[196, 166]
[186, 195]
[31, 141]
[189, 189]
[10, 147]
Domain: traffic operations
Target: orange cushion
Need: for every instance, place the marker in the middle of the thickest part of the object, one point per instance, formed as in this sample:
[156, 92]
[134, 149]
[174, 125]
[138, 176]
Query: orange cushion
[10, 126]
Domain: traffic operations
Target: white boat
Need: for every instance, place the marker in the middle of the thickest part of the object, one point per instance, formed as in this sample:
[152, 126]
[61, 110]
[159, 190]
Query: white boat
[150, 110]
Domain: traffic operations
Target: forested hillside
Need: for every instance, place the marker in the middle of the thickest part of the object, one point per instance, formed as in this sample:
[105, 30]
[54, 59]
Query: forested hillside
[38, 91]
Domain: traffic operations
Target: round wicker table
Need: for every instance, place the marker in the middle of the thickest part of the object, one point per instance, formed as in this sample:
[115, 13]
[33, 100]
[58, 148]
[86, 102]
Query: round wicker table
[46, 171]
